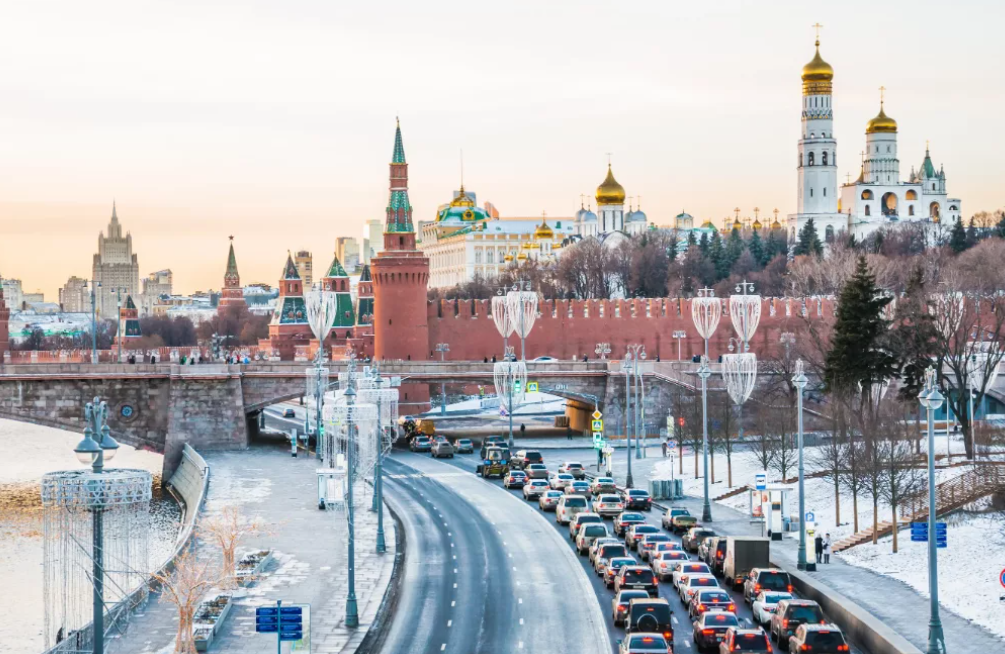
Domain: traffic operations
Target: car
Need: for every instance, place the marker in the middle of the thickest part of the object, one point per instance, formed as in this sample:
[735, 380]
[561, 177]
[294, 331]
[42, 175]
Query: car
[534, 488]
[587, 534]
[717, 554]
[710, 629]
[464, 446]
[662, 562]
[613, 566]
[606, 540]
[545, 359]
[569, 506]
[515, 479]
[765, 579]
[754, 641]
[561, 480]
[686, 567]
[524, 458]
[619, 605]
[710, 599]
[602, 553]
[623, 521]
[603, 485]
[764, 605]
[421, 444]
[644, 643]
[609, 506]
[573, 468]
[647, 545]
[289, 413]
[578, 488]
[636, 532]
[636, 576]
[791, 613]
[678, 520]
[818, 638]
[693, 537]
[650, 616]
[581, 519]
[537, 471]
[495, 463]
[549, 500]
[692, 582]
[442, 448]
[637, 498]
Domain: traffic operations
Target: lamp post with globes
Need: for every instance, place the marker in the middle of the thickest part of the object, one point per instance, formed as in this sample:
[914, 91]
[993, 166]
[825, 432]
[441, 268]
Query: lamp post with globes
[93, 452]
[602, 350]
[638, 352]
[443, 348]
[679, 334]
[931, 400]
[799, 380]
[94, 285]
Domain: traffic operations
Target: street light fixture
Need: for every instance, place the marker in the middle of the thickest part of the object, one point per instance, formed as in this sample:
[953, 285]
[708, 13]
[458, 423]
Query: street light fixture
[679, 334]
[799, 380]
[94, 285]
[602, 350]
[443, 348]
[931, 399]
[706, 311]
[704, 373]
[626, 367]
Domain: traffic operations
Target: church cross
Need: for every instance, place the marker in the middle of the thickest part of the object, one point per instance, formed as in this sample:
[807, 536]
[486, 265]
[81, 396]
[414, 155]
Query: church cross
[817, 27]
[882, 91]
[608, 157]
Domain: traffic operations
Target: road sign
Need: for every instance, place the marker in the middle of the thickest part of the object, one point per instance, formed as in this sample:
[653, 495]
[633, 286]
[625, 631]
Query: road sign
[598, 425]
[597, 415]
[760, 481]
[811, 517]
[287, 622]
[1001, 578]
[598, 439]
[532, 387]
[671, 444]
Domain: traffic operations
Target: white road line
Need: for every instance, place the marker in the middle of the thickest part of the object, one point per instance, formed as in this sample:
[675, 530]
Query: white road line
[687, 643]
[450, 623]
[455, 557]
[520, 645]
[674, 618]
[453, 602]
[451, 544]
[444, 524]
[521, 620]
[449, 533]
[455, 585]
[455, 570]
[443, 647]
[519, 600]
[514, 568]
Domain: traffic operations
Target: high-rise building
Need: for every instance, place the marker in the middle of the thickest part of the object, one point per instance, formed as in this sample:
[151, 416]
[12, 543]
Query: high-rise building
[347, 250]
[73, 296]
[373, 239]
[304, 263]
[116, 267]
[13, 296]
[155, 285]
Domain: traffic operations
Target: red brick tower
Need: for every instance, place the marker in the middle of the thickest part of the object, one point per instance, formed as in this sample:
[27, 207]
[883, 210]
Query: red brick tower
[289, 326]
[4, 320]
[129, 324]
[232, 293]
[400, 276]
[363, 331]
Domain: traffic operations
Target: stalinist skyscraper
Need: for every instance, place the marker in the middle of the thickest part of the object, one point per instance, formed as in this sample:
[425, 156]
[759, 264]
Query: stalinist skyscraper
[115, 266]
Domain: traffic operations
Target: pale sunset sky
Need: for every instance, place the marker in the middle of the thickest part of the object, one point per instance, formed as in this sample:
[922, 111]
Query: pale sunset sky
[273, 121]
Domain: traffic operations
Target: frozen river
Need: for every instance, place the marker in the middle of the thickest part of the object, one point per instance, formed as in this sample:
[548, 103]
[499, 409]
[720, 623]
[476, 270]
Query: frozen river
[30, 451]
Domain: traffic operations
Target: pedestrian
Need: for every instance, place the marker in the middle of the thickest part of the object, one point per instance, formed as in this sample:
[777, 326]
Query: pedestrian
[486, 360]
[493, 358]
[523, 430]
[664, 444]
[818, 545]
[827, 548]
[568, 432]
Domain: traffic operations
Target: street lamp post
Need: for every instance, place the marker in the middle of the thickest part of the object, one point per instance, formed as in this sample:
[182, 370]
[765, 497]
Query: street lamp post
[626, 365]
[94, 320]
[91, 452]
[931, 399]
[351, 611]
[443, 348]
[118, 330]
[638, 352]
[800, 381]
[704, 373]
[679, 334]
[706, 311]
[602, 350]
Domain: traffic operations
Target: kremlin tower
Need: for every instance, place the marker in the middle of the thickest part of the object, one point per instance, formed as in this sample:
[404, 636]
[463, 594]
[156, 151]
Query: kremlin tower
[129, 324]
[289, 326]
[336, 281]
[232, 293]
[400, 276]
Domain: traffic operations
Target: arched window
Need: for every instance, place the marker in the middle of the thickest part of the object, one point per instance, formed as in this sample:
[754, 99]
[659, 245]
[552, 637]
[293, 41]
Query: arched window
[889, 204]
[911, 195]
[888, 149]
[953, 207]
[868, 212]
[910, 210]
[825, 188]
[933, 210]
[829, 234]
[823, 159]
[867, 194]
[811, 159]
[933, 186]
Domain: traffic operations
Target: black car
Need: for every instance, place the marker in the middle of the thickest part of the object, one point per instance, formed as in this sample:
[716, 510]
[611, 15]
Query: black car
[625, 520]
[765, 579]
[710, 628]
[524, 458]
[637, 577]
[650, 616]
[637, 498]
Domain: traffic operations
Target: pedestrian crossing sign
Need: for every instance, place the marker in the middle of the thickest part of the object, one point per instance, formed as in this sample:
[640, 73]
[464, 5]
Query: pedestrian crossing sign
[598, 425]
[532, 387]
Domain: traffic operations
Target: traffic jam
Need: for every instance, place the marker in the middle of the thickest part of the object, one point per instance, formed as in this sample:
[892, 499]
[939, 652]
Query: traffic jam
[666, 582]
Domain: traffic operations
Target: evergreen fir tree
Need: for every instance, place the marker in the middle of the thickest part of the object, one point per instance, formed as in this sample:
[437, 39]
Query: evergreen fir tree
[757, 249]
[958, 237]
[859, 353]
[809, 240]
[703, 245]
[691, 239]
[735, 246]
[913, 337]
[1000, 228]
[972, 236]
[717, 255]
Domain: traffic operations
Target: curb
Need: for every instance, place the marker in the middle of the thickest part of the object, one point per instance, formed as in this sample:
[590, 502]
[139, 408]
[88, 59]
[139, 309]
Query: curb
[375, 636]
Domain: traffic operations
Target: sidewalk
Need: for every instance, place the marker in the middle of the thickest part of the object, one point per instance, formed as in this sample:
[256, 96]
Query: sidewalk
[892, 601]
[270, 484]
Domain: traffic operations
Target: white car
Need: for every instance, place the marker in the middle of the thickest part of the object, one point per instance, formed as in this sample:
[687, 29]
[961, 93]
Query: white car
[534, 488]
[686, 567]
[608, 506]
[765, 603]
[561, 480]
[662, 563]
[568, 506]
[588, 533]
[690, 584]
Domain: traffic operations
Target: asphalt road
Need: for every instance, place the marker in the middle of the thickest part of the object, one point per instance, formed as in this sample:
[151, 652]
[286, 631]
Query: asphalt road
[682, 624]
[482, 572]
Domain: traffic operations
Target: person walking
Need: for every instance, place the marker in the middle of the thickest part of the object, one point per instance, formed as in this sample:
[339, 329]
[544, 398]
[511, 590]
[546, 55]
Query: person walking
[568, 432]
[664, 445]
[827, 548]
[523, 430]
[818, 544]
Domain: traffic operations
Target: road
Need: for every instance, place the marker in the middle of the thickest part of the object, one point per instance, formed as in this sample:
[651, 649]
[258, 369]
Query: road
[482, 572]
[682, 623]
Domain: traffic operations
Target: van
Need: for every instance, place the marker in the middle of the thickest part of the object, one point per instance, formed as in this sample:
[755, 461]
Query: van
[568, 506]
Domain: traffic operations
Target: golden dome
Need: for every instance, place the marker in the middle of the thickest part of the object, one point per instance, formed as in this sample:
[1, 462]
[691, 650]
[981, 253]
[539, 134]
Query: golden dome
[757, 224]
[543, 231]
[508, 257]
[462, 200]
[610, 192]
[776, 224]
[817, 75]
[737, 224]
[527, 246]
[881, 123]
[522, 256]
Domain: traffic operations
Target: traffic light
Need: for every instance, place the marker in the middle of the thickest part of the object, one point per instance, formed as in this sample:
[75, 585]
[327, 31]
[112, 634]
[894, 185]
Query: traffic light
[680, 421]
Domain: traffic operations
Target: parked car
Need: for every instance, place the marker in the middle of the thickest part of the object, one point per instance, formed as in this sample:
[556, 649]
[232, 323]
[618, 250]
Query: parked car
[574, 468]
[569, 506]
[765, 579]
[710, 628]
[613, 567]
[524, 458]
[421, 444]
[637, 498]
[789, 614]
[710, 599]
[587, 534]
[561, 480]
[671, 524]
[603, 485]
[693, 537]
[637, 576]
[662, 562]
[609, 506]
[549, 500]
[534, 488]
[464, 446]
[754, 641]
[644, 643]
[647, 545]
[619, 605]
[581, 519]
[650, 616]
[442, 449]
[765, 603]
[578, 487]
[623, 521]
[819, 639]
[636, 532]
[537, 471]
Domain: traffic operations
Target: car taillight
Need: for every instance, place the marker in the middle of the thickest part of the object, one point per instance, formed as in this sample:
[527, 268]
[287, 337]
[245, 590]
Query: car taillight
[785, 624]
[719, 556]
[708, 631]
[842, 648]
[805, 648]
[732, 607]
[622, 608]
[790, 588]
[701, 607]
[667, 634]
[757, 588]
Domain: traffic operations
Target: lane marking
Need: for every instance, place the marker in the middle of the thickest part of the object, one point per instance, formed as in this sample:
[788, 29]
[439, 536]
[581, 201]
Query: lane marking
[520, 600]
[674, 618]
[687, 643]
[514, 568]
[455, 557]
[453, 602]
[451, 544]
[520, 645]
[521, 620]
[455, 585]
[455, 570]
[450, 623]
[443, 647]
[510, 555]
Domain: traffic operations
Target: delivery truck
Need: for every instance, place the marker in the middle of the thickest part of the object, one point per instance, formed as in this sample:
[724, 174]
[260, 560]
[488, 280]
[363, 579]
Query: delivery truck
[743, 554]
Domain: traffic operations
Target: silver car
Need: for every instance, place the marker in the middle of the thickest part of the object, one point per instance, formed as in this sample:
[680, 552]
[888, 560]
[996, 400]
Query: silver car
[561, 480]
[608, 506]
[588, 533]
[582, 519]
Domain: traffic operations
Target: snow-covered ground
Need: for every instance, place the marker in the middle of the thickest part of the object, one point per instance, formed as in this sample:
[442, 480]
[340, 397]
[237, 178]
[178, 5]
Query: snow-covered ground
[535, 402]
[968, 567]
[29, 452]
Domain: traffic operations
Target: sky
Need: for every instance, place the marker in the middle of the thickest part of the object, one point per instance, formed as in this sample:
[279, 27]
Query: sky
[274, 121]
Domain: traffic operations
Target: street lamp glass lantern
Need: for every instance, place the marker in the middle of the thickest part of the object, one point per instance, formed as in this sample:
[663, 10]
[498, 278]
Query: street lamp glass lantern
[108, 444]
[87, 449]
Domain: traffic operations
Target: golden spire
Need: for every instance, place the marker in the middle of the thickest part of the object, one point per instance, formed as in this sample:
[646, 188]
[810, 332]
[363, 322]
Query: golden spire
[818, 74]
[776, 224]
[881, 123]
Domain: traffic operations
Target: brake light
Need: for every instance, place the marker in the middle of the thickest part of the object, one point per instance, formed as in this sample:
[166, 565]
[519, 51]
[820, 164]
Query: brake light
[708, 631]
[719, 556]
[667, 634]
[701, 607]
[757, 588]
[785, 624]
[805, 648]
[790, 588]
[732, 607]
[842, 648]
[622, 608]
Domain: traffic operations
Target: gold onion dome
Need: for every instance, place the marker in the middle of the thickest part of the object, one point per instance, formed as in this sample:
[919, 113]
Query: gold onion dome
[522, 256]
[610, 192]
[543, 231]
[757, 224]
[776, 224]
[508, 257]
[817, 75]
[881, 123]
[737, 224]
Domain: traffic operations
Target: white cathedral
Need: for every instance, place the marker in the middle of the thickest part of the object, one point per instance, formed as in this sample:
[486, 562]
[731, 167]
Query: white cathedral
[611, 223]
[878, 197]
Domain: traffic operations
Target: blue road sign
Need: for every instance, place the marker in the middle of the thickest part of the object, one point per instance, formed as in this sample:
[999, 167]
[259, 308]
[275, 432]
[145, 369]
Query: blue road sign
[266, 611]
[810, 517]
[760, 481]
[1001, 577]
[290, 611]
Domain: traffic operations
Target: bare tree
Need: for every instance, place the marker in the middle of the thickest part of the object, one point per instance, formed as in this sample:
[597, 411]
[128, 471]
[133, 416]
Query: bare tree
[829, 457]
[780, 426]
[227, 529]
[185, 587]
[762, 445]
[854, 455]
[902, 476]
[724, 412]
